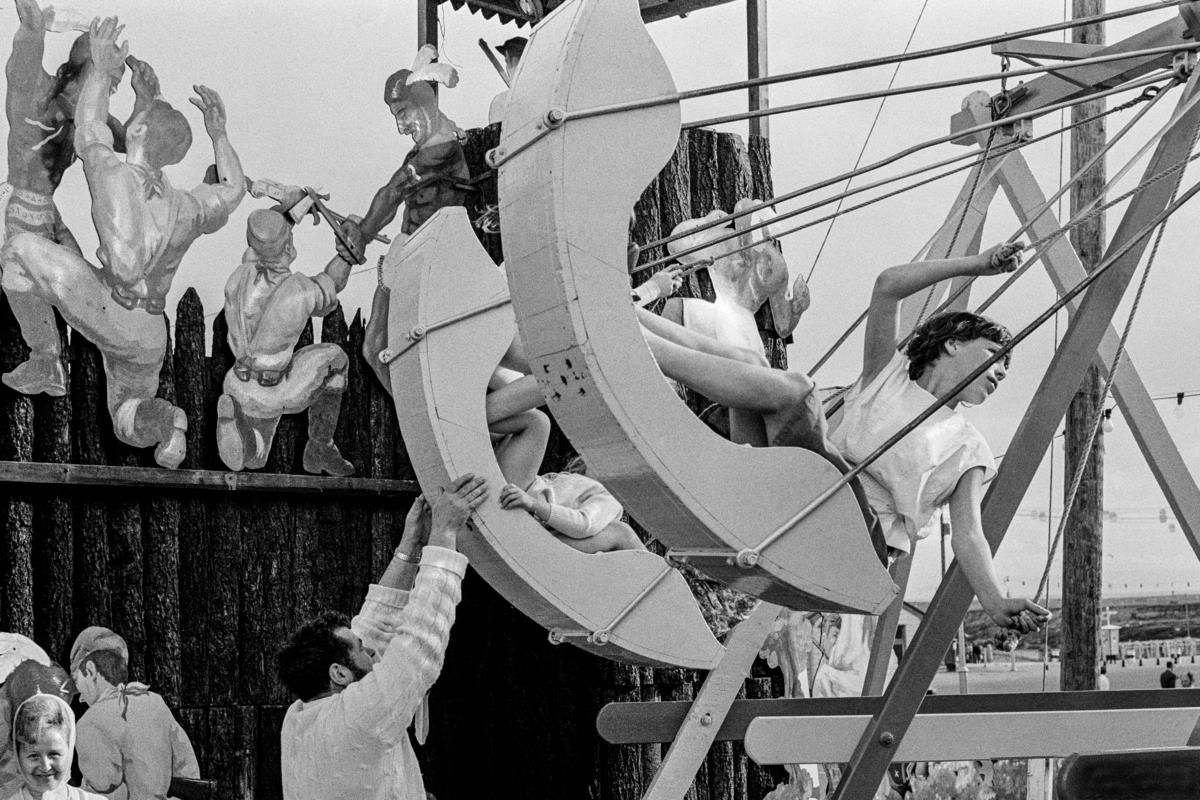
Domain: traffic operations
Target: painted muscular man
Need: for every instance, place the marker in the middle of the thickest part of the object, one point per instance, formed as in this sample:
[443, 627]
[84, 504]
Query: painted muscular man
[434, 173]
[40, 109]
[145, 226]
[267, 306]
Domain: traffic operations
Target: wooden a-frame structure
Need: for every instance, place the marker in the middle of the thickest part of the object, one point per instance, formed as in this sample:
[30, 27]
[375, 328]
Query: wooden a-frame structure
[789, 731]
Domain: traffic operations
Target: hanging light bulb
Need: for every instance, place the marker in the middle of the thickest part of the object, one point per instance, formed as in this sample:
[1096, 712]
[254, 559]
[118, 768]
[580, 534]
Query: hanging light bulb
[1179, 405]
[1107, 424]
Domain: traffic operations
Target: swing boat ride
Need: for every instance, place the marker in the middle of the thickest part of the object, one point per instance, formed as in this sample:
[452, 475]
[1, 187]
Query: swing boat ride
[587, 126]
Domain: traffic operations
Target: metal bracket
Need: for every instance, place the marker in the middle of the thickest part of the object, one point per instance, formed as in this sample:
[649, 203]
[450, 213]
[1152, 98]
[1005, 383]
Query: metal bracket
[418, 332]
[602, 636]
[1183, 63]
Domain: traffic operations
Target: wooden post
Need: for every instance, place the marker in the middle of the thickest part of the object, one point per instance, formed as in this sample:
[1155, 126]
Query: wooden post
[427, 23]
[756, 62]
[1083, 536]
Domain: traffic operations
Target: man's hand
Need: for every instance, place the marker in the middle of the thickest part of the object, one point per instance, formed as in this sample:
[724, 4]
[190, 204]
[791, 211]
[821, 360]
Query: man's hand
[106, 56]
[452, 509]
[209, 103]
[353, 232]
[416, 529]
[32, 16]
[1023, 616]
[143, 79]
[1001, 258]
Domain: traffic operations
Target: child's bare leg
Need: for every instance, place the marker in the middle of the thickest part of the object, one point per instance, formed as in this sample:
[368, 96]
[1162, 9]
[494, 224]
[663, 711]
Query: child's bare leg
[692, 340]
[521, 452]
[514, 357]
[514, 398]
[730, 382]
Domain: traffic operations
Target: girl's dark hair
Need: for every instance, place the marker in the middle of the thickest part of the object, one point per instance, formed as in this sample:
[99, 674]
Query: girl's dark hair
[927, 340]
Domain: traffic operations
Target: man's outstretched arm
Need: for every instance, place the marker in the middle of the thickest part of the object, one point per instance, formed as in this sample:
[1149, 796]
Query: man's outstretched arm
[231, 185]
[26, 78]
[384, 701]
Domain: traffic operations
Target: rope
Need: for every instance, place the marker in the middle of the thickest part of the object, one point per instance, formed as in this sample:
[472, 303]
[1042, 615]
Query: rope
[767, 80]
[926, 87]
[869, 168]
[987, 151]
[866, 141]
[749, 556]
[1098, 417]
[1083, 216]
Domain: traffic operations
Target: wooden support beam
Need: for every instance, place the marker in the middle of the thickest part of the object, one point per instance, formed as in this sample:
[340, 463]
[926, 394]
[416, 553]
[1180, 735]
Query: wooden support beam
[970, 737]
[85, 476]
[756, 63]
[1083, 535]
[640, 723]
[1140, 414]
[1040, 48]
[1051, 88]
[654, 10]
[873, 754]
[427, 23]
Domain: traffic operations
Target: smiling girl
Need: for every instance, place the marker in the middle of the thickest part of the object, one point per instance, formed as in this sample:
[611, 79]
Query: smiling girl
[44, 741]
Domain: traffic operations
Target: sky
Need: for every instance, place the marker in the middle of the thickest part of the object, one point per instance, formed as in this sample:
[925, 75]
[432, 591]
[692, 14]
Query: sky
[302, 81]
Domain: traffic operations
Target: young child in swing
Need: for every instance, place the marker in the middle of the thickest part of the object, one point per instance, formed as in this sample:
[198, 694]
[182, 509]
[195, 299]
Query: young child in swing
[944, 460]
[577, 509]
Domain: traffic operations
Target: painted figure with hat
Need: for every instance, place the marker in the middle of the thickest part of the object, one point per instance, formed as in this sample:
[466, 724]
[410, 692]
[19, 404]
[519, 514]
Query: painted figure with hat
[145, 228]
[434, 173]
[129, 743]
[267, 307]
[512, 50]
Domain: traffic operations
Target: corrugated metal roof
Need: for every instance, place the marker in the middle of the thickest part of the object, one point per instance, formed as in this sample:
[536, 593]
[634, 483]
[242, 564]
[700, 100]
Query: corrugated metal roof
[510, 10]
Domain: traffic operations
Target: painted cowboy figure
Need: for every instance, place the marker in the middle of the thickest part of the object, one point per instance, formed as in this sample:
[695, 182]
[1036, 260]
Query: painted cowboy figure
[145, 228]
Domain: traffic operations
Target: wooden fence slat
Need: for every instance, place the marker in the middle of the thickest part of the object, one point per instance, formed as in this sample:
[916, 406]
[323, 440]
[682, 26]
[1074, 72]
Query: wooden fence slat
[160, 586]
[93, 588]
[53, 535]
[221, 561]
[16, 525]
[193, 396]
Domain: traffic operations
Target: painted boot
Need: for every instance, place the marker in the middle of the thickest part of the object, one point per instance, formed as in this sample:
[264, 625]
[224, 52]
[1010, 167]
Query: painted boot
[41, 373]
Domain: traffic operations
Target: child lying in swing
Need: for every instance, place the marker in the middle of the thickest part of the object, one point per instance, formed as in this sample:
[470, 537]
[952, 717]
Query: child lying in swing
[577, 509]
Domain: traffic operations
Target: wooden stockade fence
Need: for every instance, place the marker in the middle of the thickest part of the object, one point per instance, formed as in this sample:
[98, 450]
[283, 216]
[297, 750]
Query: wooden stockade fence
[205, 573]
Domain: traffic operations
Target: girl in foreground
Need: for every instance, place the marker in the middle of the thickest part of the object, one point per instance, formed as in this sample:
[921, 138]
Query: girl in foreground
[944, 460]
[44, 742]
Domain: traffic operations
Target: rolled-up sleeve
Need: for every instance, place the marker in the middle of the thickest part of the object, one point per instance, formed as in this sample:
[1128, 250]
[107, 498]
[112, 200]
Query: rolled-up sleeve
[382, 704]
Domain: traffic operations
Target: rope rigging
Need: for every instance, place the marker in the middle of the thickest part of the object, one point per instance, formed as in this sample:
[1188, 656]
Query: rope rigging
[749, 556]
[1082, 216]
[1097, 420]
[824, 183]
[866, 141]
[816, 72]
[926, 87]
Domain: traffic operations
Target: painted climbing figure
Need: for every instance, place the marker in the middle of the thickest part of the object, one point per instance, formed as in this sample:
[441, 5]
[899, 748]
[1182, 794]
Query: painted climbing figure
[145, 228]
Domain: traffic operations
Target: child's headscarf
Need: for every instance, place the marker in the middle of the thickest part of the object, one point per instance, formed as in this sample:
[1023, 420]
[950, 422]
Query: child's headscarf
[29, 679]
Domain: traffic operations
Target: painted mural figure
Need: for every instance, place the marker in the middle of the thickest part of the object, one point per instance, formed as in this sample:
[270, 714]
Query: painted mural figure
[434, 175]
[145, 227]
[40, 110]
[267, 307]
[129, 744]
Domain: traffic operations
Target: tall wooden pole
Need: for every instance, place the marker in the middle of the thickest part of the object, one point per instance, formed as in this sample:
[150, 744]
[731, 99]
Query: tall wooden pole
[1083, 537]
